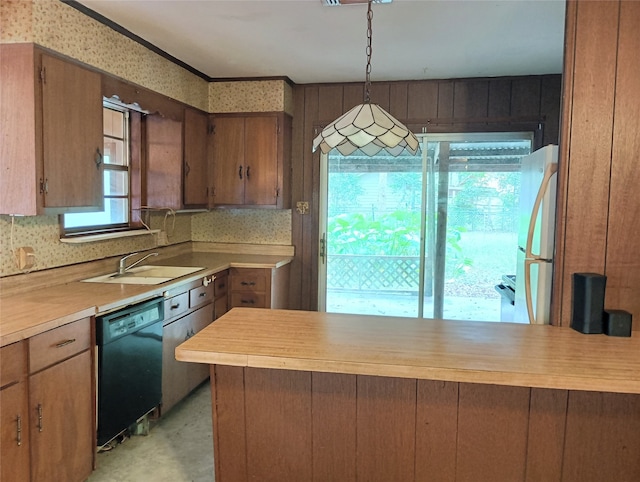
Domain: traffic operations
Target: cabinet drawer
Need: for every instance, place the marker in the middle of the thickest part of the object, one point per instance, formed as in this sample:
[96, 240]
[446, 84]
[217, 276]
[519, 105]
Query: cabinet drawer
[55, 345]
[176, 305]
[249, 279]
[248, 299]
[220, 285]
[13, 363]
[200, 295]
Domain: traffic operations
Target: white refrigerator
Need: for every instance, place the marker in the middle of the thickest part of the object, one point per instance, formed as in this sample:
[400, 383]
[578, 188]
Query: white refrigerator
[536, 229]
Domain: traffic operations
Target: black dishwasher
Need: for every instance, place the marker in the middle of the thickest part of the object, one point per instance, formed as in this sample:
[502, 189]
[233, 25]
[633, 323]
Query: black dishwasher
[129, 366]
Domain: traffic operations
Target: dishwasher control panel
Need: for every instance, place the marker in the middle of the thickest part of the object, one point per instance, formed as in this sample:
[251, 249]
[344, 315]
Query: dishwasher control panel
[128, 320]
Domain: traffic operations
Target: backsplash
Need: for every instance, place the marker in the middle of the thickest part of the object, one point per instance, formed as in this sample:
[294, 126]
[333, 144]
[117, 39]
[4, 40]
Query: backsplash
[243, 226]
[42, 233]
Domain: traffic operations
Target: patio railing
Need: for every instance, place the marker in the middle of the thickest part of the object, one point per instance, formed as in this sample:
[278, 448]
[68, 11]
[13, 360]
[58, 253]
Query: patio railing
[374, 273]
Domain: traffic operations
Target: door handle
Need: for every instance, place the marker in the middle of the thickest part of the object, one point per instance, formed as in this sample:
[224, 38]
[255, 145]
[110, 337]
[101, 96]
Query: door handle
[323, 243]
[240, 172]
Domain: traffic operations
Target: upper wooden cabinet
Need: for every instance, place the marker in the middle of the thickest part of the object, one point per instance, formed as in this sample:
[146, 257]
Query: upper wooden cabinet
[164, 162]
[251, 160]
[51, 148]
[195, 188]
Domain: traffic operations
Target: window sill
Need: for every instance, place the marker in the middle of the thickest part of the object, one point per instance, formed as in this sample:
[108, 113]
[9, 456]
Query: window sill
[106, 236]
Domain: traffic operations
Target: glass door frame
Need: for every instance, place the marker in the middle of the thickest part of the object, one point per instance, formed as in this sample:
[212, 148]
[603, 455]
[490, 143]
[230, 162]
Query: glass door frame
[428, 200]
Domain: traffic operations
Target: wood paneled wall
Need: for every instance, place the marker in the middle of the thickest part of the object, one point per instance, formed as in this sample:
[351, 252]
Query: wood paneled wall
[461, 105]
[599, 204]
[282, 425]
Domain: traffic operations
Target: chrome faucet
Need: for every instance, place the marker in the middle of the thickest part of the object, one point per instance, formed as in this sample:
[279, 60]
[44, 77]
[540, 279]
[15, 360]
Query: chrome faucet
[122, 268]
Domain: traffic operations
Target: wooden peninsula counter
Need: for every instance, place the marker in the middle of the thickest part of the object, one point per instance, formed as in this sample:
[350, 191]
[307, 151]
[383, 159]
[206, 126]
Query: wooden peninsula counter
[306, 396]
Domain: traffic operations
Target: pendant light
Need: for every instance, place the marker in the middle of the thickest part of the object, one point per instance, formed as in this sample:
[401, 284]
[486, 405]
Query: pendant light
[367, 127]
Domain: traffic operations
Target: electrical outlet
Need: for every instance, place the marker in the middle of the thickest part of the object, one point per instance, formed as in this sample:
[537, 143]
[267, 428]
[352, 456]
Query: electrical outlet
[26, 258]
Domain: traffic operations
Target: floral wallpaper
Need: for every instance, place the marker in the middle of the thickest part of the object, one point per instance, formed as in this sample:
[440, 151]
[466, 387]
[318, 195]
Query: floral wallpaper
[246, 226]
[250, 96]
[42, 233]
[61, 28]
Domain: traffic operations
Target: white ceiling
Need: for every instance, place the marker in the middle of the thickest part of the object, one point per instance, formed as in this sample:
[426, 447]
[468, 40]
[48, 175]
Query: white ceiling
[309, 42]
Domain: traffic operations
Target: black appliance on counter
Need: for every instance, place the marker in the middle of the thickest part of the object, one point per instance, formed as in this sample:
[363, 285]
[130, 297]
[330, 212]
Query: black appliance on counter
[507, 290]
[129, 366]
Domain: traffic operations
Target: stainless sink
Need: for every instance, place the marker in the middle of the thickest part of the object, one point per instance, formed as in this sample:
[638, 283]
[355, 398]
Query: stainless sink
[145, 275]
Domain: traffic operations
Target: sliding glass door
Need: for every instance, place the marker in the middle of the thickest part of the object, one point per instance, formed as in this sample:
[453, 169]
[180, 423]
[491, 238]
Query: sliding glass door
[421, 236]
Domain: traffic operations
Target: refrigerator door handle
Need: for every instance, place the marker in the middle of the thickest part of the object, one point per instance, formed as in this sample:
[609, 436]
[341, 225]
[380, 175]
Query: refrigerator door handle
[527, 289]
[548, 174]
[527, 286]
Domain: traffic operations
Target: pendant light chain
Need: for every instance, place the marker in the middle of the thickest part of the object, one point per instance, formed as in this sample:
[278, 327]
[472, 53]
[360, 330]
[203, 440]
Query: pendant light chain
[367, 128]
[367, 85]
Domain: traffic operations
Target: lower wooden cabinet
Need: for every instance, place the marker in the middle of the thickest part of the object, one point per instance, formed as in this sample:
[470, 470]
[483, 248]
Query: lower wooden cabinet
[47, 421]
[14, 414]
[62, 435]
[259, 287]
[179, 378]
[188, 309]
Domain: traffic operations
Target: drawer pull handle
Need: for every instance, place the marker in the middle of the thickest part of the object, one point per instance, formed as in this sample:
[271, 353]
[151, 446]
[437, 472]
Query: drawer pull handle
[65, 343]
[202, 294]
[175, 307]
[248, 302]
[221, 286]
[19, 430]
[248, 283]
[39, 417]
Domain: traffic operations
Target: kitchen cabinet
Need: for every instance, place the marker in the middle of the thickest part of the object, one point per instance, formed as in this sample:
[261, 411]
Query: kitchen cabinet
[61, 403]
[259, 287]
[251, 160]
[164, 162]
[51, 149]
[188, 309]
[14, 420]
[195, 187]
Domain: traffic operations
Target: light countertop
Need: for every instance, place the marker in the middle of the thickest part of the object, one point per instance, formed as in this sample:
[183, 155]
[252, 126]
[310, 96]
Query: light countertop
[27, 314]
[460, 351]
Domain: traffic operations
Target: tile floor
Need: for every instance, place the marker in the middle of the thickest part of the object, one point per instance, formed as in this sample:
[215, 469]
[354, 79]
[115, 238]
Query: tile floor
[179, 447]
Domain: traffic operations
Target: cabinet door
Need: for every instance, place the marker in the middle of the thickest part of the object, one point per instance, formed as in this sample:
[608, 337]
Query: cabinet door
[164, 162]
[228, 159]
[72, 135]
[175, 383]
[195, 158]
[179, 378]
[62, 421]
[261, 160]
[14, 433]
[198, 372]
